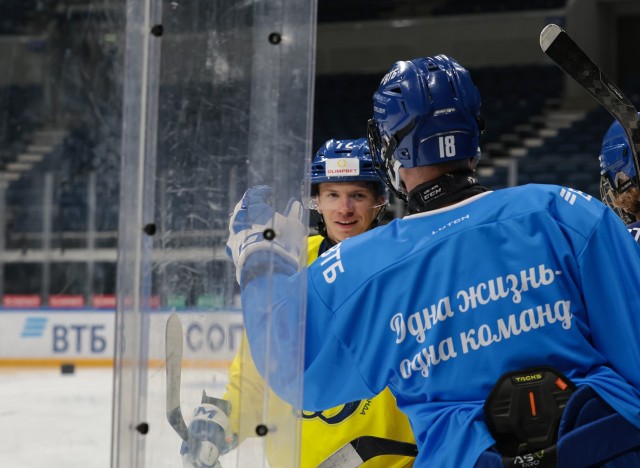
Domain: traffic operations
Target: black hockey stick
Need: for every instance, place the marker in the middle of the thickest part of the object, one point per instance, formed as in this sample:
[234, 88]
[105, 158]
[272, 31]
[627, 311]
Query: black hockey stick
[364, 448]
[560, 48]
[173, 351]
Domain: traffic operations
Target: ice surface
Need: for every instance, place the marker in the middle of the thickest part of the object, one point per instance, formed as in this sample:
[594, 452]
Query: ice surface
[50, 419]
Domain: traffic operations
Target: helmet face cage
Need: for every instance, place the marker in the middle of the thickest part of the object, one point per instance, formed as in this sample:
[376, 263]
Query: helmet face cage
[607, 195]
[384, 161]
[426, 111]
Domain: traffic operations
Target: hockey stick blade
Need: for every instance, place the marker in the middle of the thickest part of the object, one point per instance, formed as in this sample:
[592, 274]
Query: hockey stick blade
[559, 47]
[173, 350]
[359, 450]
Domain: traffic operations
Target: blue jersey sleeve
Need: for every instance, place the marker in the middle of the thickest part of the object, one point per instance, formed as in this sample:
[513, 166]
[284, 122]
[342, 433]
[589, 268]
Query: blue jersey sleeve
[277, 328]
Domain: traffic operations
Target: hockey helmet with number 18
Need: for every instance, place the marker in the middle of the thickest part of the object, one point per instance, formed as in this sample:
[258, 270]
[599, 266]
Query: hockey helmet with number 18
[426, 111]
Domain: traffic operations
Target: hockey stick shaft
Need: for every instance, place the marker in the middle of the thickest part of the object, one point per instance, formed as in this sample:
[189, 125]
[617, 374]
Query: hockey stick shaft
[560, 48]
[173, 351]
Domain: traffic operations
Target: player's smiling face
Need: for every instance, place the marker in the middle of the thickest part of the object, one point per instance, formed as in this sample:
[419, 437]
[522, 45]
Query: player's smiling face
[348, 208]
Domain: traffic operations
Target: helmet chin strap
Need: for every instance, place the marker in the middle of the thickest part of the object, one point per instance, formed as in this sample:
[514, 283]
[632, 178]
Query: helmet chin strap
[378, 217]
[445, 190]
[322, 227]
[397, 182]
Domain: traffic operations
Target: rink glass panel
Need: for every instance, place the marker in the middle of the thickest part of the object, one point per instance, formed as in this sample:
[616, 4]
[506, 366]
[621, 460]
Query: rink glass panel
[216, 99]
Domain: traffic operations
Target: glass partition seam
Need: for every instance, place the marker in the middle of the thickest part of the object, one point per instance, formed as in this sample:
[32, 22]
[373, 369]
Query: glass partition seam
[133, 248]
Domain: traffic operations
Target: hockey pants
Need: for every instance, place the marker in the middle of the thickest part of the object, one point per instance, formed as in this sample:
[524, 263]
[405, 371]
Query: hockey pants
[591, 434]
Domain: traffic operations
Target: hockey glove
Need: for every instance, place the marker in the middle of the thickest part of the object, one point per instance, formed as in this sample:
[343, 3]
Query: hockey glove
[253, 218]
[210, 435]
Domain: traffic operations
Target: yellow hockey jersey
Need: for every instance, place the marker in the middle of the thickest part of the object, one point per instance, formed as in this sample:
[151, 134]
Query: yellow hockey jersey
[322, 432]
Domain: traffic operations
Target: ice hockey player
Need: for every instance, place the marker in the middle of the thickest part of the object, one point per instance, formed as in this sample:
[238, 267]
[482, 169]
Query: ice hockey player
[505, 323]
[618, 179]
[347, 198]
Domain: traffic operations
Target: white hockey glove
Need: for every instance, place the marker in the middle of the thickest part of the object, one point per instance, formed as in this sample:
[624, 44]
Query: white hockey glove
[210, 435]
[252, 217]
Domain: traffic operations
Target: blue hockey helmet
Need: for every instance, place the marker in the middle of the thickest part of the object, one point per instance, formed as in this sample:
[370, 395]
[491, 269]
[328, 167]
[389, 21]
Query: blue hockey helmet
[345, 161]
[617, 163]
[426, 111]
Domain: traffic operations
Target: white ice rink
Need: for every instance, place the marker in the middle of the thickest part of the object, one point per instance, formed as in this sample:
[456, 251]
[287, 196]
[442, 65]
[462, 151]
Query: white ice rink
[49, 419]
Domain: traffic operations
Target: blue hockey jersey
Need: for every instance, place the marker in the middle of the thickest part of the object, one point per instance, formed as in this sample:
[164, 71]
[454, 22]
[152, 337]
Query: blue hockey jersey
[439, 305]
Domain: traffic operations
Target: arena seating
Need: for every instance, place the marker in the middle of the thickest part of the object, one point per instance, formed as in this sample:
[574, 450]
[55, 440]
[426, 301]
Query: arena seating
[459, 7]
[363, 10]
